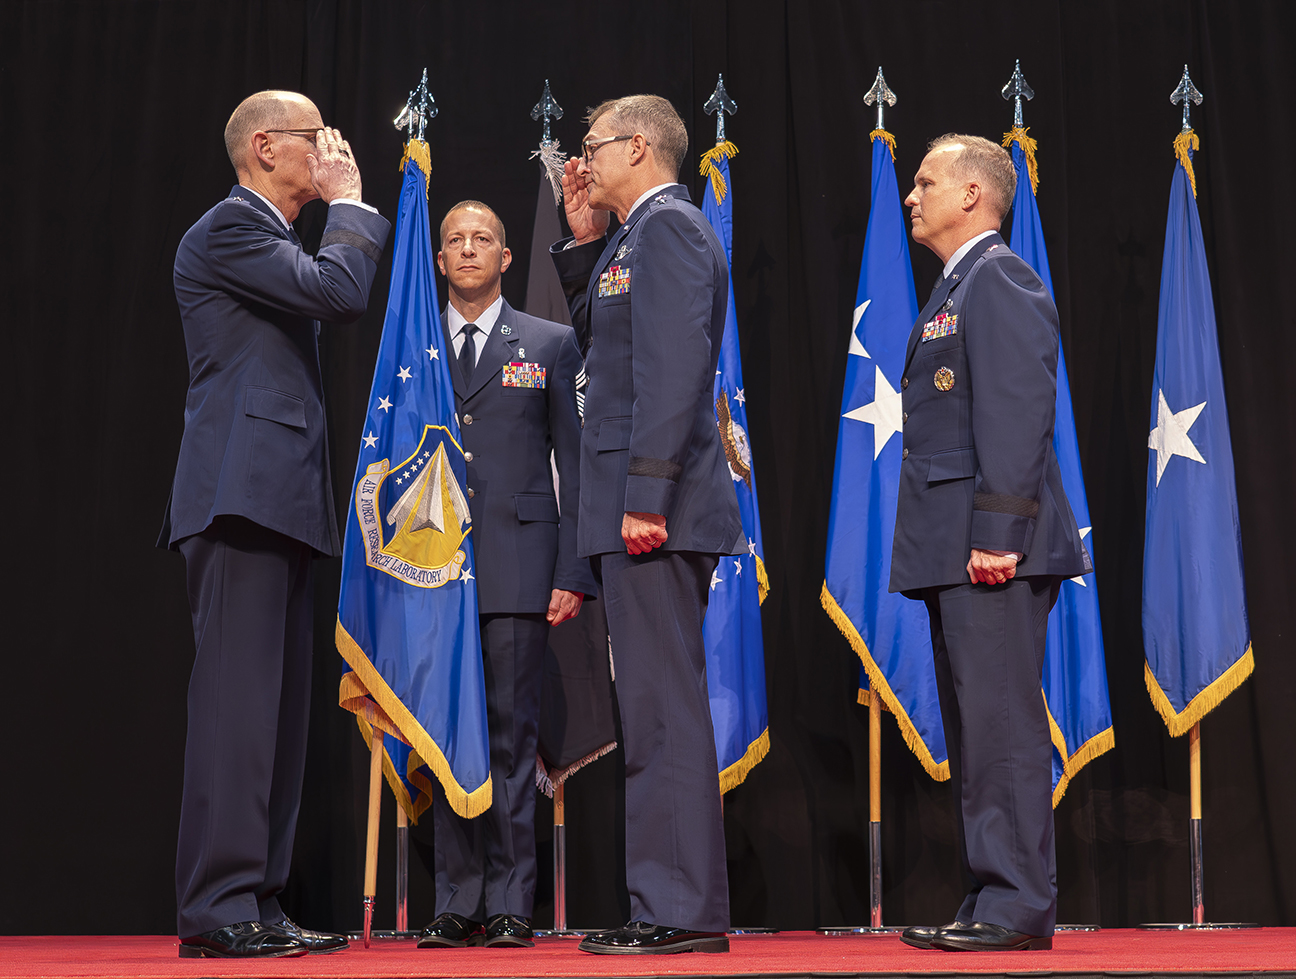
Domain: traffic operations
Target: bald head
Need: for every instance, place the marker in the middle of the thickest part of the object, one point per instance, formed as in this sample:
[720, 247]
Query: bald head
[263, 112]
[483, 210]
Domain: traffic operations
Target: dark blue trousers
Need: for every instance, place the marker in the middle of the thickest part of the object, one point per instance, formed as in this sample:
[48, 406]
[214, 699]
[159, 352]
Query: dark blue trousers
[675, 846]
[487, 866]
[249, 704]
[988, 643]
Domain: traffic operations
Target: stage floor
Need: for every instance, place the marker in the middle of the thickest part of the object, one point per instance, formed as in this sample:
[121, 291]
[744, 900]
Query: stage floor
[1262, 950]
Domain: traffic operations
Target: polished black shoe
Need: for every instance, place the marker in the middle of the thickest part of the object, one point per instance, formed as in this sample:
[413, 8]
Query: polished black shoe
[509, 930]
[245, 940]
[315, 941]
[641, 938]
[920, 936]
[451, 930]
[981, 936]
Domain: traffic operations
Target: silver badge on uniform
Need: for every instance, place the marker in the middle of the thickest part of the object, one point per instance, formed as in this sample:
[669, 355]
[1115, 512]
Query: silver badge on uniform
[622, 252]
[506, 330]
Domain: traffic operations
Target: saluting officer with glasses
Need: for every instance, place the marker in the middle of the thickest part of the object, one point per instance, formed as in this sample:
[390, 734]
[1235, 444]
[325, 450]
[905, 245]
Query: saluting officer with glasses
[252, 506]
[657, 503]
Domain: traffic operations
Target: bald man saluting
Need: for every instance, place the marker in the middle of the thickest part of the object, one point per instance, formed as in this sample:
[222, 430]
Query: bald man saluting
[252, 506]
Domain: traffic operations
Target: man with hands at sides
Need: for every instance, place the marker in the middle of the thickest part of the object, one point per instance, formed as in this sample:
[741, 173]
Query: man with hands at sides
[657, 504]
[984, 535]
[252, 506]
[515, 392]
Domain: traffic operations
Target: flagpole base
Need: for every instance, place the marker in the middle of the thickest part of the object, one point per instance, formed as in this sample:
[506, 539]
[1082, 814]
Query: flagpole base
[561, 933]
[368, 919]
[382, 934]
[1190, 926]
[838, 931]
[1077, 927]
[752, 931]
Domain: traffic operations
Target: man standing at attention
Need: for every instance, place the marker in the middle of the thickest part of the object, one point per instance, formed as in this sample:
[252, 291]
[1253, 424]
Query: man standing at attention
[984, 536]
[251, 507]
[657, 504]
[515, 393]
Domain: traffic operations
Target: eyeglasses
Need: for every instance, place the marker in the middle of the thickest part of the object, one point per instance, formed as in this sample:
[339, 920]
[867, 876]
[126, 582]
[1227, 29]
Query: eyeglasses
[303, 133]
[590, 146]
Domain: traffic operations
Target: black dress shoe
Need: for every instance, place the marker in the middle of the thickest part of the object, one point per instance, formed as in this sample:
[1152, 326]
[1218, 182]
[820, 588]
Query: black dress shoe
[245, 940]
[981, 936]
[315, 941]
[451, 930]
[641, 938]
[920, 936]
[509, 930]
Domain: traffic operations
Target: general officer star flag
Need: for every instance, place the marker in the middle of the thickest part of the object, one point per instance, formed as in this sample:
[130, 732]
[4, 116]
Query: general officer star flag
[890, 633]
[1075, 671]
[735, 649]
[407, 613]
[1195, 632]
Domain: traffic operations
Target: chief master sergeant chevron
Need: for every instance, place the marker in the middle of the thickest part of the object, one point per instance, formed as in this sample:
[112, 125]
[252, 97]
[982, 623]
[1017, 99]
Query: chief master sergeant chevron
[984, 536]
[251, 507]
[657, 504]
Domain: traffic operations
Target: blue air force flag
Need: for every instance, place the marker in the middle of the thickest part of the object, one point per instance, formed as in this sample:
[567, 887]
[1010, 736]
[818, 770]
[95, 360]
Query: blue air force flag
[407, 613]
[1195, 632]
[890, 633]
[1075, 671]
[735, 648]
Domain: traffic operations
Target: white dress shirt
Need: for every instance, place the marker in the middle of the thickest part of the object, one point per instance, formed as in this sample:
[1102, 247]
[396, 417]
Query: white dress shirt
[455, 323]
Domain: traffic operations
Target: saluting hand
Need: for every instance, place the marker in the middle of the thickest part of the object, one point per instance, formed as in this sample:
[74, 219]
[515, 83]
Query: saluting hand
[333, 170]
[586, 223]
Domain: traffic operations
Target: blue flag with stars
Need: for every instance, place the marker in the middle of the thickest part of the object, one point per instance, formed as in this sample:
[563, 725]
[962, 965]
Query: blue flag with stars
[1075, 670]
[407, 612]
[1195, 632]
[889, 632]
[735, 647]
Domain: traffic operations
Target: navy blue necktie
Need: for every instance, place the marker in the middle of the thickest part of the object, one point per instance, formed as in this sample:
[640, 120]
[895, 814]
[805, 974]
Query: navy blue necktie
[468, 352]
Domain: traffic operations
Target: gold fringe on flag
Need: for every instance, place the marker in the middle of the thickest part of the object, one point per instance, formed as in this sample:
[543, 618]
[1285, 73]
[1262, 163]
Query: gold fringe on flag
[417, 150]
[1018, 135]
[365, 683]
[762, 579]
[1184, 143]
[1205, 702]
[1100, 743]
[708, 168]
[880, 687]
[887, 138]
[737, 772]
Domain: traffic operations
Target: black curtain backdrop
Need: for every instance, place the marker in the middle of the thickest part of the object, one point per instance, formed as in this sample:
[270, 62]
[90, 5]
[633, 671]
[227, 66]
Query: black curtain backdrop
[113, 115]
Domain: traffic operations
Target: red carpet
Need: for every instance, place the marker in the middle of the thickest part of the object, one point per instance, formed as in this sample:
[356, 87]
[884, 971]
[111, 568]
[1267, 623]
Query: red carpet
[1270, 950]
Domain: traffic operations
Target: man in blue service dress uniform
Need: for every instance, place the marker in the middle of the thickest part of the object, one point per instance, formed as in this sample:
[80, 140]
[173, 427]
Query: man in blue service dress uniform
[984, 536]
[657, 504]
[251, 506]
[515, 392]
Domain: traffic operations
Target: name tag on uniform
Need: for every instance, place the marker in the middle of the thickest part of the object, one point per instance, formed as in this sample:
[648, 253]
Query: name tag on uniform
[522, 375]
[614, 282]
[944, 325]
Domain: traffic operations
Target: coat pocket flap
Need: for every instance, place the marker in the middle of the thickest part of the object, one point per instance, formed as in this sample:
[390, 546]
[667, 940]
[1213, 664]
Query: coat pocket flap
[614, 433]
[276, 406]
[536, 506]
[952, 464]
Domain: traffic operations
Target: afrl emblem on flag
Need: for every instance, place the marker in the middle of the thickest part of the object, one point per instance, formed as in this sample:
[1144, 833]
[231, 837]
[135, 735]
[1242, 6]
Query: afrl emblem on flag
[423, 504]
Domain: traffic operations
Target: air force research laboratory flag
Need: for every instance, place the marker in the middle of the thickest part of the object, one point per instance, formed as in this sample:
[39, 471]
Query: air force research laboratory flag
[890, 633]
[735, 649]
[1075, 671]
[1195, 632]
[407, 613]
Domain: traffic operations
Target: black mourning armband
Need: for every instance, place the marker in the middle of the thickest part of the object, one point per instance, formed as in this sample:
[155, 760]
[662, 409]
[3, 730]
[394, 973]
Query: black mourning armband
[1016, 506]
[656, 468]
[342, 237]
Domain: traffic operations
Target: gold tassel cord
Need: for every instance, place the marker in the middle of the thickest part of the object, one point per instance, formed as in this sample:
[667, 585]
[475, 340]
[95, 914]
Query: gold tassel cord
[1182, 722]
[1184, 145]
[736, 773]
[762, 579]
[940, 772]
[366, 679]
[1018, 135]
[887, 138]
[418, 151]
[708, 168]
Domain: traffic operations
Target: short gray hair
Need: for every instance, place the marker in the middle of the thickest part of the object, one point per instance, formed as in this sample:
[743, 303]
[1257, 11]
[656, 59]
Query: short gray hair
[653, 116]
[271, 109]
[987, 162]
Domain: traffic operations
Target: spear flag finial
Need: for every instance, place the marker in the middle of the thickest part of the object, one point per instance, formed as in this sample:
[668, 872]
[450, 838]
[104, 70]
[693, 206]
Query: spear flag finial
[1186, 93]
[547, 108]
[1017, 89]
[880, 94]
[413, 115]
[719, 103]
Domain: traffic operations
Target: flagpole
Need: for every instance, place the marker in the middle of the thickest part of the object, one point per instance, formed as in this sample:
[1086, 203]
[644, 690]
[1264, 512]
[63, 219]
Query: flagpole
[560, 857]
[402, 872]
[1194, 825]
[875, 813]
[371, 842]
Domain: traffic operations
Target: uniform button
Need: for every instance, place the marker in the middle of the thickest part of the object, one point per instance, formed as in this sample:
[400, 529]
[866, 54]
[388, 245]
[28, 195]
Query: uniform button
[471, 492]
[468, 457]
[903, 455]
[904, 383]
[904, 417]
[467, 419]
